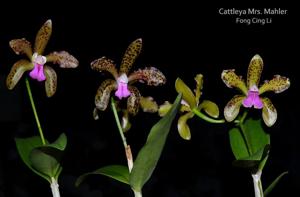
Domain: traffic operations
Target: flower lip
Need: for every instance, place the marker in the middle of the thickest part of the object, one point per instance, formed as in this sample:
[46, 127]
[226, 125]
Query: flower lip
[253, 99]
[38, 70]
[122, 91]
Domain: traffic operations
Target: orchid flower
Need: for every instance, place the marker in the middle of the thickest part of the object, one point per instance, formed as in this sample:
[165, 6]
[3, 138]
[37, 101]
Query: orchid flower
[190, 105]
[36, 63]
[251, 91]
[122, 83]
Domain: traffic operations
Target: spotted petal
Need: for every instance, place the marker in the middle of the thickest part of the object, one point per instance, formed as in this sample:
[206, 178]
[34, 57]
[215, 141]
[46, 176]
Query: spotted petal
[277, 84]
[105, 64]
[187, 94]
[43, 37]
[269, 113]
[103, 94]
[51, 81]
[95, 114]
[125, 123]
[232, 80]
[130, 55]
[148, 104]
[254, 71]
[21, 46]
[199, 85]
[63, 58]
[133, 102]
[151, 75]
[16, 72]
[183, 128]
[233, 107]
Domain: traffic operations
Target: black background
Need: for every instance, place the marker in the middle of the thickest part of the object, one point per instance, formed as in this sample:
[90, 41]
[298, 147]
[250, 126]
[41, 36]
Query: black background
[179, 39]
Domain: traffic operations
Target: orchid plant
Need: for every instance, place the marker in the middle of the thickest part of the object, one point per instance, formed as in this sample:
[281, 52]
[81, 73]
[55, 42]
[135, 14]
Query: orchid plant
[124, 89]
[42, 157]
[249, 141]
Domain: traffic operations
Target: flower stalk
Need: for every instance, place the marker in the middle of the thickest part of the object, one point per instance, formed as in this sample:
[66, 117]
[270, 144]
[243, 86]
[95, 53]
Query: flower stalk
[35, 112]
[126, 146]
[206, 118]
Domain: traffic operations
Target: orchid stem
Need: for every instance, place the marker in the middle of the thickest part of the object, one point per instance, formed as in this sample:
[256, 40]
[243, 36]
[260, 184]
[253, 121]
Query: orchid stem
[206, 118]
[126, 146]
[137, 194]
[35, 112]
[258, 190]
[54, 187]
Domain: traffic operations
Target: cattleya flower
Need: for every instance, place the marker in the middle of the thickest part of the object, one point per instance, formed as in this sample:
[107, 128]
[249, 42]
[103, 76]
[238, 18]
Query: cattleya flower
[122, 83]
[190, 105]
[252, 92]
[36, 65]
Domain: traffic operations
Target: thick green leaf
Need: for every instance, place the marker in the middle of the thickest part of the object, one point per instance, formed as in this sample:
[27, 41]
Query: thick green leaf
[274, 183]
[46, 160]
[238, 144]
[60, 143]
[253, 160]
[187, 94]
[24, 147]
[117, 172]
[42, 159]
[149, 155]
[257, 137]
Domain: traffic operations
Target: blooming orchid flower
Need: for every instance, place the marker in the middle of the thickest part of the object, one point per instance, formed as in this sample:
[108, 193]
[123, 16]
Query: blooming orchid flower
[189, 104]
[37, 64]
[122, 83]
[251, 91]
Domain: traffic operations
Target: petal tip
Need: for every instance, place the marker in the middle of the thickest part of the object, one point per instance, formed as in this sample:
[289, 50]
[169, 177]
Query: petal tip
[255, 57]
[48, 22]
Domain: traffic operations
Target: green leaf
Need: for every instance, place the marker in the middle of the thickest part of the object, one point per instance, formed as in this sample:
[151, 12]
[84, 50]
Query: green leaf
[238, 144]
[24, 147]
[210, 108]
[60, 143]
[253, 160]
[149, 155]
[187, 94]
[117, 172]
[257, 137]
[45, 160]
[42, 159]
[274, 183]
